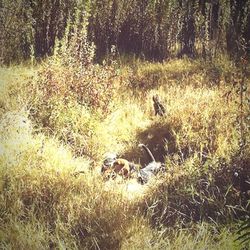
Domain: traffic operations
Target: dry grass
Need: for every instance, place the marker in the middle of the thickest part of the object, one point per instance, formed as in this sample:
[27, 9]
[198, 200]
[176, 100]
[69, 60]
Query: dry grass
[42, 203]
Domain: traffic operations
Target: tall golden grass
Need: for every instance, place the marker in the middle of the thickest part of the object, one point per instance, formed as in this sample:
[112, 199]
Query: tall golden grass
[45, 140]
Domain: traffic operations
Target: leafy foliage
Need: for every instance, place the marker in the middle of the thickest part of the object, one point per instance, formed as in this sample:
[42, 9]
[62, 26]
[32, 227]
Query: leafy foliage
[152, 29]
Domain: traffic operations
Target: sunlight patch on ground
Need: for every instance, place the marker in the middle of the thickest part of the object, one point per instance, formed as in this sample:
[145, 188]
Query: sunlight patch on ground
[133, 190]
[130, 189]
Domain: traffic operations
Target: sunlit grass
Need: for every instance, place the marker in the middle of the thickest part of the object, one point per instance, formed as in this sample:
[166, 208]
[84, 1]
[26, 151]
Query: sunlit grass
[43, 204]
[201, 236]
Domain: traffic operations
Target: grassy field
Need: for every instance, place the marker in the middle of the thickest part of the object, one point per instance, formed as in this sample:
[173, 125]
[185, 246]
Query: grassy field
[56, 120]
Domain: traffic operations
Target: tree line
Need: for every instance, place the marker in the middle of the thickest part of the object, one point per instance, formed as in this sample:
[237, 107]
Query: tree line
[153, 29]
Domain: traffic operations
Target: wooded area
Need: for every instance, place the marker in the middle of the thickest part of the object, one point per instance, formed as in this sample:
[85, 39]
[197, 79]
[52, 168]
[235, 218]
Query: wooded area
[153, 29]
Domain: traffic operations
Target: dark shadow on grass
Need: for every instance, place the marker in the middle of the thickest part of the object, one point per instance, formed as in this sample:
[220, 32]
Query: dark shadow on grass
[155, 137]
[218, 193]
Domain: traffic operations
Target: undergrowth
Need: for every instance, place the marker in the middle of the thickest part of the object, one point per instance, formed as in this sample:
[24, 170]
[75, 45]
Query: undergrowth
[58, 119]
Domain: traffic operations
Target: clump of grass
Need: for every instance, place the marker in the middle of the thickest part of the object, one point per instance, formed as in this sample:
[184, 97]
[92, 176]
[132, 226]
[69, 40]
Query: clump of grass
[148, 76]
[200, 141]
[199, 236]
[14, 96]
[40, 190]
[31, 235]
